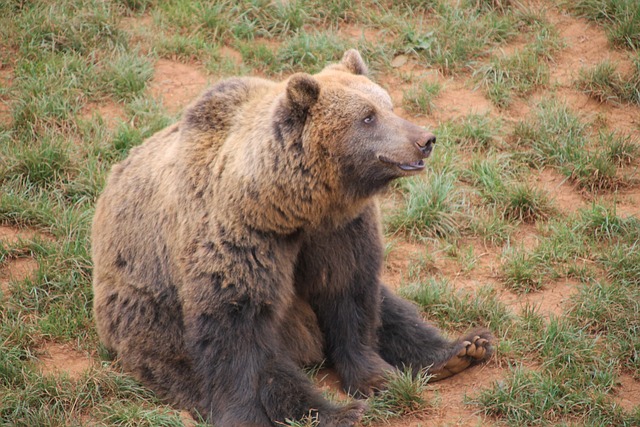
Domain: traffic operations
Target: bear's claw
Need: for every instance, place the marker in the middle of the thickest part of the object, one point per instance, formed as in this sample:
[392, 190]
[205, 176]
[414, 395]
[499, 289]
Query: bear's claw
[473, 350]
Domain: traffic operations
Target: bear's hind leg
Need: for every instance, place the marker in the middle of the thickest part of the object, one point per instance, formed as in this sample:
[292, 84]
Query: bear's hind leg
[145, 334]
[405, 340]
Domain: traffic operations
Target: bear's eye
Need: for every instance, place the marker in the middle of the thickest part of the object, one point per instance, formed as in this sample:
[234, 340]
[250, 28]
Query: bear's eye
[369, 119]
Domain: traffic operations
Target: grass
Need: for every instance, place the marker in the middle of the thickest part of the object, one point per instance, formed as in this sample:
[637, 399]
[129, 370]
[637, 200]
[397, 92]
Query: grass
[515, 75]
[557, 137]
[474, 131]
[61, 62]
[434, 207]
[403, 396]
[419, 98]
[502, 188]
[620, 18]
[461, 34]
[605, 84]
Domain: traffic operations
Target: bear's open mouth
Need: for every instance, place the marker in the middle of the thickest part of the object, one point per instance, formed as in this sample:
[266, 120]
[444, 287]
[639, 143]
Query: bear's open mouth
[413, 166]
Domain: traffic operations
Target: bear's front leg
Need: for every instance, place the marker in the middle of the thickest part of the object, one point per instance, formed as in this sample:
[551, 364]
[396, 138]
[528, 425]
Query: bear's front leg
[337, 273]
[406, 340]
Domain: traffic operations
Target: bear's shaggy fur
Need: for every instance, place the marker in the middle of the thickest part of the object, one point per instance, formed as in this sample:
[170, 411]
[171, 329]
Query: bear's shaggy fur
[244, 242]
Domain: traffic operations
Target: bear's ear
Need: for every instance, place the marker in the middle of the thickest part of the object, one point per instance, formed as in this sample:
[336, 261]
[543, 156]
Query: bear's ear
[302, 91]
[354, 62]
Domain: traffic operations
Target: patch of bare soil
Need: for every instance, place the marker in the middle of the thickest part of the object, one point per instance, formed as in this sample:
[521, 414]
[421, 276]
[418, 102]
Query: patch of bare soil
[62, 359]
[19, 268]
[561, 192]
[177, 84]
[551, 301]
[232, 54]
[13, 234]
[355, 32]
[627, 202]
[586, 45]
[452, 409]
[129, 22]
[526, 237]
[6, 78]
[458, 100]
[110, 112]
[16, 270]
[621, 118]
[140, 30]
[479, 265]
[402, 254]
[628, 393]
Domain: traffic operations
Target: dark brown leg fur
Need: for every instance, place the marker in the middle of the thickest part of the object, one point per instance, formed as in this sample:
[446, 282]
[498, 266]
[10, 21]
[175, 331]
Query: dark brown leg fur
[368, 330]
[405, 340]
[301, 335]
[337, 274]
[163, 367]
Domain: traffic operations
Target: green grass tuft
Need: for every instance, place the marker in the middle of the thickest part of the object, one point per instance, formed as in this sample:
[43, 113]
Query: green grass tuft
[605, 84]
[518, 74]
[503, 190]
[621, 18]
[403, 395]
[475, 131]
[557, 137]
[460, 36]
[458, 309]
[522, 272]
[125, 75]
[418, 99]
[434, 207]
[526, 203]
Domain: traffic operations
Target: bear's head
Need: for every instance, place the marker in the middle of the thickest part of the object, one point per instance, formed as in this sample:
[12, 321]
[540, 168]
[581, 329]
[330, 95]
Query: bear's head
[348, 124]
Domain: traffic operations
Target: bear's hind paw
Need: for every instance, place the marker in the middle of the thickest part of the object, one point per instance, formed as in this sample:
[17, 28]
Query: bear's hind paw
[473, 349]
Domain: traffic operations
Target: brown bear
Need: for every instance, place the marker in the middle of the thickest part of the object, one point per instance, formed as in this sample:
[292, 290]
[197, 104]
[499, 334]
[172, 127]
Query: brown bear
[243, 242]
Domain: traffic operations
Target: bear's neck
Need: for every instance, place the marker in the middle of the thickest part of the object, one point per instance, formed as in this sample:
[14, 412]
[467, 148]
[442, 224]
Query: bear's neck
[283, 188]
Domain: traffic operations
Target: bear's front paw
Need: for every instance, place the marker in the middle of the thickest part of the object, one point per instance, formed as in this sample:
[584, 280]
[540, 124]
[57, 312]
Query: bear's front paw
[473, 349]
[347, 416]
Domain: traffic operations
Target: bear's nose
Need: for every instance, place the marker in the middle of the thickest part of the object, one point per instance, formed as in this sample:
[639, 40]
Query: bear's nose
[425, 144]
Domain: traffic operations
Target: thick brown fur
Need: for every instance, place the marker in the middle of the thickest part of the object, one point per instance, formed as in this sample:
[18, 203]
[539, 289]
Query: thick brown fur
[243, 242]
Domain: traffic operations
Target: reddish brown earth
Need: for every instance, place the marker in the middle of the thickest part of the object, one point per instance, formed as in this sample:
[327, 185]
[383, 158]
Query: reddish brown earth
[628, 393]
[63, 359]
[110, 112]
[12, 234]
[17, 269]
[177, 84]
[6, 78]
